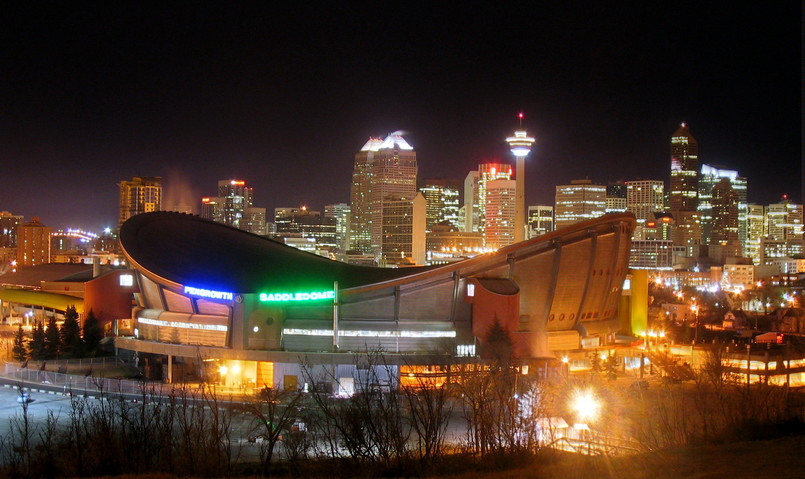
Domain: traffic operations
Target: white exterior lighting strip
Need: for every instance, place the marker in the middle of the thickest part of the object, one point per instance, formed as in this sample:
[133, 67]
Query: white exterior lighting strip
[182, 325]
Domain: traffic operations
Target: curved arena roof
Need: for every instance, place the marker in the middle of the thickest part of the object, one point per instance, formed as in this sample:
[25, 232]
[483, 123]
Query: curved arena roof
[189, 250]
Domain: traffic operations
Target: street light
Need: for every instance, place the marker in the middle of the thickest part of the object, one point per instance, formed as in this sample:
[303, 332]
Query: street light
[585, 404]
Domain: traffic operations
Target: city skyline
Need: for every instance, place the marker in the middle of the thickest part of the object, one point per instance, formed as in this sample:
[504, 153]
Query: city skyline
[197, 95]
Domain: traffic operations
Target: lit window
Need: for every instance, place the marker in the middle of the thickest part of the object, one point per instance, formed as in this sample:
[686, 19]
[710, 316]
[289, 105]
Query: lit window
[126, 280]
[470, 289]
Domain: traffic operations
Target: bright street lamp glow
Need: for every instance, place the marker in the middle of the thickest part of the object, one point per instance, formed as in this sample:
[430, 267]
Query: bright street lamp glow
[585, 405]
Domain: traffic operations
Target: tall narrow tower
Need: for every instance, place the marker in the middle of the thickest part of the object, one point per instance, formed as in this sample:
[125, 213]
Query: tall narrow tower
[520, 145]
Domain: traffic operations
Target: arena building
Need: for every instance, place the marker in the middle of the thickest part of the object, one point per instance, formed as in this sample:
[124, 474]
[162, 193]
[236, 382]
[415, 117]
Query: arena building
[252, 309]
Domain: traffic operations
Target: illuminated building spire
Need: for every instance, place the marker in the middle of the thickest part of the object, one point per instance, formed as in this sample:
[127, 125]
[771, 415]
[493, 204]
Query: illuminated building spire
[520, 146]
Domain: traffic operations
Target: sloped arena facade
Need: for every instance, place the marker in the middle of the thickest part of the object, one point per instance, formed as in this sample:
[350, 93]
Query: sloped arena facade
[215, 300]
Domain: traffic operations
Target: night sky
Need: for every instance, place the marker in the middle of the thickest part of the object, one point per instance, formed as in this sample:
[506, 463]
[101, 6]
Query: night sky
[284, 97]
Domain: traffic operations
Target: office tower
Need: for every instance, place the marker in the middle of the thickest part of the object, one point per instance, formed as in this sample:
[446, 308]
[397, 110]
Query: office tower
[143, 194]
[724, 203]
[755, 231]
[442, 198]
[580, 200]
[644, 197]
[615, 205]
[709, 177]
[616, 189]
[254, 220]
[784, 220]
[33, 243]
[683, 197]
[500, 213]
[684, 170]
[784, 232]
[341, 213]
[317, 231]
[520, 146]
[382, 168]
[235, 197]
[403, 230]
[8, 229]
[212, 208]
[540, 220]
[472, 209]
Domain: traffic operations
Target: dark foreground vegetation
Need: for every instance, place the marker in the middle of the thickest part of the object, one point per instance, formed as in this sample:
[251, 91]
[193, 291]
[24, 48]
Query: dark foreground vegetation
[484, 421]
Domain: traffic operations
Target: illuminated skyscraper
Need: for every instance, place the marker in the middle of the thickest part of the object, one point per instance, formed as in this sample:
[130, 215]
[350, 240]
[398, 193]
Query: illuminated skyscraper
[710, 177]
[684, 170]
[500, 213]
[580, 200]
[477, 181]
[382, 168]
[683, 196]
[520, 145]
[403, 230]
[235, 197]
[755, 230]
[142, 194]
[442, 197]
[724, 203]
[339, 211]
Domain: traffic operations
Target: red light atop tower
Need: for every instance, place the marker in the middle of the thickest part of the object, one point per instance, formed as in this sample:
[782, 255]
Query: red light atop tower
[520, 115]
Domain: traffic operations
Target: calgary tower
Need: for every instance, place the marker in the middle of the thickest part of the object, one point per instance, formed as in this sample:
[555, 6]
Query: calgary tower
[520, 146]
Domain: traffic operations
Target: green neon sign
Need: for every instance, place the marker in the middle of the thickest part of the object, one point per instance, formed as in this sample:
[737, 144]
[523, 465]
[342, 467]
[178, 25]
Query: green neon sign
[305, 296]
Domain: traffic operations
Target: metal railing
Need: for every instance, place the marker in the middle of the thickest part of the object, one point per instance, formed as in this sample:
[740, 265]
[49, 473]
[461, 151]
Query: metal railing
[76, 383]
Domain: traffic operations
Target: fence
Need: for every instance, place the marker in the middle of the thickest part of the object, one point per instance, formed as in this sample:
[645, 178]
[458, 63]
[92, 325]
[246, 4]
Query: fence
[87, 384]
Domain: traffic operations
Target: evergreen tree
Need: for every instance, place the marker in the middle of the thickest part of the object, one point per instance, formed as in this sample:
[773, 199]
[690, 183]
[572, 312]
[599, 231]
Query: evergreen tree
[499, 343]
[52, 340]
[37, 344]
[70, 333]
[19, 352]
[92, 334]
[611, 366]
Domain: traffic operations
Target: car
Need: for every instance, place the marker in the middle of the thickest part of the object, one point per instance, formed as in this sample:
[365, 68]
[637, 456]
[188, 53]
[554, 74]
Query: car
[24, 398]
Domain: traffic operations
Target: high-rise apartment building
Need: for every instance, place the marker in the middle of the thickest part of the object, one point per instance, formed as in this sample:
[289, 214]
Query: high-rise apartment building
[33, 243]
[442, 197]
[540, 220]
[143, 194]
[644, 198]
[382, 168]
[500, 213]
[709, 177]
[580, 200]
[403, 230]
